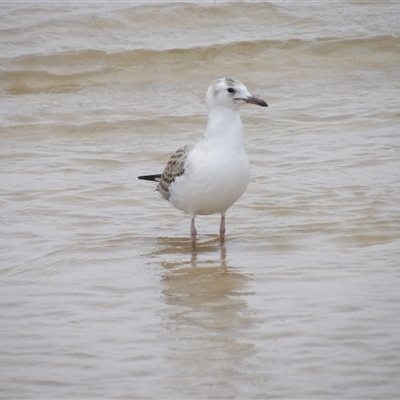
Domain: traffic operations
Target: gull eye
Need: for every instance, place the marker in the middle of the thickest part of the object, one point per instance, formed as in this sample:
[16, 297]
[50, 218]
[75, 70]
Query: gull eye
[231, 90]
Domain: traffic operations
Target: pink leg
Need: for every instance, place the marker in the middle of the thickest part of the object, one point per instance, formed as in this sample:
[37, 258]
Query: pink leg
[222, 228]
[193, 231]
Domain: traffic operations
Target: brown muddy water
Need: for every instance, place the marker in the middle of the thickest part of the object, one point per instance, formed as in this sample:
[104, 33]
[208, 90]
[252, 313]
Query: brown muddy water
[102, 295]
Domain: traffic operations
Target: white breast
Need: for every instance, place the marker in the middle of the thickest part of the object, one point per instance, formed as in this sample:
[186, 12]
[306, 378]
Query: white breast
[216, 176]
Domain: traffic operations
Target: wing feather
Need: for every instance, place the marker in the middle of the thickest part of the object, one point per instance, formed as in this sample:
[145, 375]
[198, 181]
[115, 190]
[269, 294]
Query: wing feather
[174, 168]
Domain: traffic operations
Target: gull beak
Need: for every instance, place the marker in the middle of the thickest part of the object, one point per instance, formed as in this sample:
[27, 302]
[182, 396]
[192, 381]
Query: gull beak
[254, 100]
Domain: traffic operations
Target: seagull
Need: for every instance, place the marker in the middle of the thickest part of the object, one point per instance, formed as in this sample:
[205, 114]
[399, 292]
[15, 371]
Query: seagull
[209, 176]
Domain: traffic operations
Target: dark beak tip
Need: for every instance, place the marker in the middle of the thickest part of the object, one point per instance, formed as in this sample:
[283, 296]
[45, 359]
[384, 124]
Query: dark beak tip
[256, 101]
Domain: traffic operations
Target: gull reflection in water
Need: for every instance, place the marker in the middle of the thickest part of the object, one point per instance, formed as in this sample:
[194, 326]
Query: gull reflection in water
[209, 320]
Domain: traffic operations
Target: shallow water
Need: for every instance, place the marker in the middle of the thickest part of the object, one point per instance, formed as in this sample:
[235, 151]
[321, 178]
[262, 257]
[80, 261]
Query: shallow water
[102, 295]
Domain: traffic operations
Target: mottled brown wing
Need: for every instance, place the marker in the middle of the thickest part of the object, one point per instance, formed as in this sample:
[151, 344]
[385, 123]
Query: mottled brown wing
[173, 169]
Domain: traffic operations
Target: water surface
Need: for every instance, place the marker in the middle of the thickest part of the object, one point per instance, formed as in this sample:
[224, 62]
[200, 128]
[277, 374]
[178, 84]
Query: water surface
[102, 294]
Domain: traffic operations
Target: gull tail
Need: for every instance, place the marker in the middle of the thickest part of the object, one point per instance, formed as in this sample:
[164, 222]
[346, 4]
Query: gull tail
[155, 178]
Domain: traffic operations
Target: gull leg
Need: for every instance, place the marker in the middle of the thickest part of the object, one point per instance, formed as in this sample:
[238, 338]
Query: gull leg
[193, 231]
[222, 228]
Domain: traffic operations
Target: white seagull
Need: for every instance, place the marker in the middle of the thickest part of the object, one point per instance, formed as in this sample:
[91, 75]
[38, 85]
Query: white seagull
[211, 175]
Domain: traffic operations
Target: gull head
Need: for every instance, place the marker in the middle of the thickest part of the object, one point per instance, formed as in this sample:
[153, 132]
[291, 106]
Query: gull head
[230, 93]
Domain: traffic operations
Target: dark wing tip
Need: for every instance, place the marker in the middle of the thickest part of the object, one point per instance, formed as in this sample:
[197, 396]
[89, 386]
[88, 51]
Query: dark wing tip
[155, 178]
